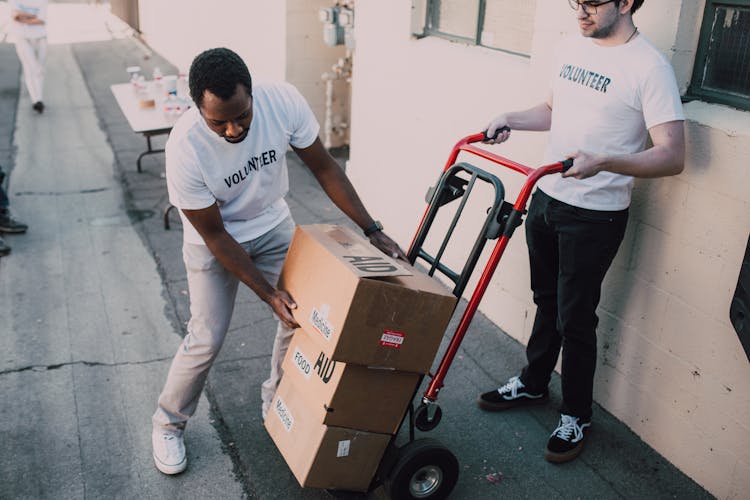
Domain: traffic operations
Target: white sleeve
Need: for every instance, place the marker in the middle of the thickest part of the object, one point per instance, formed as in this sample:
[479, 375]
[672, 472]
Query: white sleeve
[304, 126]
[43, 11]
[185, 184]
[660, 97]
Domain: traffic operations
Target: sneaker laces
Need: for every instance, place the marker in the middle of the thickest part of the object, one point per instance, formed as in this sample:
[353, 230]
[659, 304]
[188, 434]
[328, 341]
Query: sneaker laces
[512, 386]
[568, 427]
[171, 445]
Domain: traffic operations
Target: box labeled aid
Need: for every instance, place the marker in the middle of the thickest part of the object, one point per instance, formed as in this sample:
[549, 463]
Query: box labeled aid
[347, 395]
[318, 455]
[362, 306]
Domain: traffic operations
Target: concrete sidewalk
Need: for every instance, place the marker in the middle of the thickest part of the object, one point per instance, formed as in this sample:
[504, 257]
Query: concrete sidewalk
[93, 302]
[85, 338]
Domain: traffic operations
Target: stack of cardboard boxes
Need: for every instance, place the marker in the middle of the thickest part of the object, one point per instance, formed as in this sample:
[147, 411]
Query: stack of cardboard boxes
[371, 326]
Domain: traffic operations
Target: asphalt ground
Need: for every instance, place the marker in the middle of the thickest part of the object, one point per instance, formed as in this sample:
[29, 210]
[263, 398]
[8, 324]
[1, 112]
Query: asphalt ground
[94, 301]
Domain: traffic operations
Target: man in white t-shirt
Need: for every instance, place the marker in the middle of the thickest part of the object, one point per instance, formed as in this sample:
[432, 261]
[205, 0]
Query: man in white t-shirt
[226, 172]
[28, 29]
[611, 89]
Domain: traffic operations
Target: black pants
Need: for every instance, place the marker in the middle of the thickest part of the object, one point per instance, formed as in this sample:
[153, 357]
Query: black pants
[3, 196]
[570, 250]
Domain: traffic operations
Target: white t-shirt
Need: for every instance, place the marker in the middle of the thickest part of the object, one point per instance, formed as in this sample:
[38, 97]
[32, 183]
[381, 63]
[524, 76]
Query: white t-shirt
[604, 100]
[247, 180]
[30, 31]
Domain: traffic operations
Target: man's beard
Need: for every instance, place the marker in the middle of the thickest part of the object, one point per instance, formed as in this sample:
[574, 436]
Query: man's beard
[603, 32]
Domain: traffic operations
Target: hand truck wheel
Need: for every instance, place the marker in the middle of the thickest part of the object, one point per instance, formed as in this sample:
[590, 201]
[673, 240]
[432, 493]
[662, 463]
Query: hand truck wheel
[424, 468]
[427, 417]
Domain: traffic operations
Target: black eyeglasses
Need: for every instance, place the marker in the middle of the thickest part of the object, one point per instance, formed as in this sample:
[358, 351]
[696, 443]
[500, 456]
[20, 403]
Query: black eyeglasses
[588, 7]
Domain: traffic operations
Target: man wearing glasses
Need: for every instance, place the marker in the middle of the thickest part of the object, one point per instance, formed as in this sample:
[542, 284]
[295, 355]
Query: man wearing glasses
[611, 90]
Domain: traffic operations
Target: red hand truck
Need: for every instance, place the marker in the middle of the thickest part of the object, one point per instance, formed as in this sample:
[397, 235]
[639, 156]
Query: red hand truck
[424, 468]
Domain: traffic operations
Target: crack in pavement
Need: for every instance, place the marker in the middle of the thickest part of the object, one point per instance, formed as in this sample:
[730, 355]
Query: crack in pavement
[44, 368]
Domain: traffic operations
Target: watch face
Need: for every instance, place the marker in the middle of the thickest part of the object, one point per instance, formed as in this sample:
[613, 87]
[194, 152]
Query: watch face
[373, 228]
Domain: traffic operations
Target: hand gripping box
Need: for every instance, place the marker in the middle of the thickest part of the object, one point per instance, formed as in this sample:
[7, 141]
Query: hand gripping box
[318, 455]
[346, 395]
[362, 306]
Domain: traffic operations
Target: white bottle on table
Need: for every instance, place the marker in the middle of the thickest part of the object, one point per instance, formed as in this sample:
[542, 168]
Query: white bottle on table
[171, 107]
[158, 84]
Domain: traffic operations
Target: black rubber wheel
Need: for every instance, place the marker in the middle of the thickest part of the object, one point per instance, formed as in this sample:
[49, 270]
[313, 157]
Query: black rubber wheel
[425, 468]
[422, 422]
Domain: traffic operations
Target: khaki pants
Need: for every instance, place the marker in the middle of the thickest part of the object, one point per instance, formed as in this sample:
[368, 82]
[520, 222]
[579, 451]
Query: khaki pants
[212, 294]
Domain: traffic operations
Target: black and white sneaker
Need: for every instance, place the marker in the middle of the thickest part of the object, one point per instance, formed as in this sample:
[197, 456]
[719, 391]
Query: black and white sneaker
[10, 225]
[566, 442]
[511, 395]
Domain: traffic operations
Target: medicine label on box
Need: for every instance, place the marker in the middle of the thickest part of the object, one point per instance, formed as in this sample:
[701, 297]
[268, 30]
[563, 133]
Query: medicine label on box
[284, 414]
[319, 320]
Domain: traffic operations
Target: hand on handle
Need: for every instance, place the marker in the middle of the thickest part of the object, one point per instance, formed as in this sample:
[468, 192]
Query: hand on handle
[497, 131]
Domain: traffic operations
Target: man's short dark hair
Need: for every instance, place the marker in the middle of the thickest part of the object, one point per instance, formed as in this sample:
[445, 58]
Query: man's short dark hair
[219, 71]
[636, 5]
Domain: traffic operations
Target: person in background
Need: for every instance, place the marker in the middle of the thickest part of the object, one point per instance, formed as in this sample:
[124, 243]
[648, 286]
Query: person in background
[28, 30]
[7, 223]
[612, 90]
[227, 174]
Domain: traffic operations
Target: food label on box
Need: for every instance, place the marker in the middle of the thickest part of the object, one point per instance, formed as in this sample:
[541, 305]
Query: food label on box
[302, 364]
[391, 338]
[284, 414]
[319, 320]
[343, 450]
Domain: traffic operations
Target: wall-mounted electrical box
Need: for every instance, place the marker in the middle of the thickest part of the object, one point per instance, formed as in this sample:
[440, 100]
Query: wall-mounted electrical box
[338, 26]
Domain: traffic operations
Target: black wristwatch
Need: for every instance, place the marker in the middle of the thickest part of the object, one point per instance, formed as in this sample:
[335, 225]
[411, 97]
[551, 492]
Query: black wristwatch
[373, 228]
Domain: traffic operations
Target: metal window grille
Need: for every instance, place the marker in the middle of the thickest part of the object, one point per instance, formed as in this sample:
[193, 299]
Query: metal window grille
[722, 66]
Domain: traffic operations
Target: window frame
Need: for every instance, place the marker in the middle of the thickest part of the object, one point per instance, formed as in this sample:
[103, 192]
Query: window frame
[476, 40]
[695, 89]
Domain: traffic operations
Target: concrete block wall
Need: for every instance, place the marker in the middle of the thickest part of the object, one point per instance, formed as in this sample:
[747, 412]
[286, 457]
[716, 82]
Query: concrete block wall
[670, 365]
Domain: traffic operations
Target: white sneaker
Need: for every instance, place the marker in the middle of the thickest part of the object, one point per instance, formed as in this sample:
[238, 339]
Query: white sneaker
[264, 410]
[169, 452]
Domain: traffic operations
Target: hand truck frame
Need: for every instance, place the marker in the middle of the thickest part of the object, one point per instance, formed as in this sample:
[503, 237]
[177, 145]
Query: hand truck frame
[425, 468]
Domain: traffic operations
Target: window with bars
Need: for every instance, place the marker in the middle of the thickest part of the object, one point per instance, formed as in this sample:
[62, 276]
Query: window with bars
[722, 66]
[506, 25]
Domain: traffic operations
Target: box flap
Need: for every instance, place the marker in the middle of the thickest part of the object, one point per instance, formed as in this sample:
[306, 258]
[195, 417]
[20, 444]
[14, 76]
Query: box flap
[354, 251]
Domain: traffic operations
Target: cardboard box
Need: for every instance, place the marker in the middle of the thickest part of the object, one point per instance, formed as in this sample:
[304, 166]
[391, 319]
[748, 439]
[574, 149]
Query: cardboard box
[346, 395]
[320, 456]
[364, 307]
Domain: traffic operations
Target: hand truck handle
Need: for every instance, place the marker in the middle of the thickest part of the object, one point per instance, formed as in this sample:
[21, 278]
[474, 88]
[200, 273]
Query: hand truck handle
[467, 145]
[497, 132]
[566, 163]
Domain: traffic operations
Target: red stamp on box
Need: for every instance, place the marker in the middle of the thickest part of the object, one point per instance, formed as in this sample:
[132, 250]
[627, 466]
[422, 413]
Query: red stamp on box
[392, 339]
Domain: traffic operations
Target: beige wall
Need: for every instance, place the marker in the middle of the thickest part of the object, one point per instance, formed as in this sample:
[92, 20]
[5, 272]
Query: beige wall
[279, 40]
[670, 366]
[255, 29]
[308, 58]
